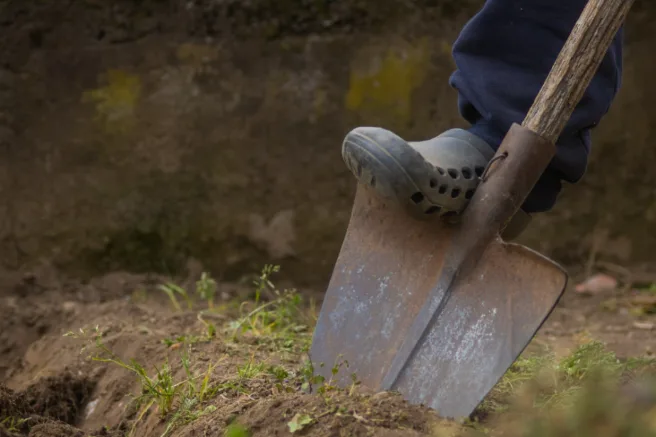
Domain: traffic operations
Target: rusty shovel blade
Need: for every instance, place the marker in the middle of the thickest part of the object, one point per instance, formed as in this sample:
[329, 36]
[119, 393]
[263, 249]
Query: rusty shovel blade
[405, 320]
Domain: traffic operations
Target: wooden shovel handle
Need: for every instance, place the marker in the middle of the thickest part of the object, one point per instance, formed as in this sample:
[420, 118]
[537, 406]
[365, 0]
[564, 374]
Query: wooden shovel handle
[575, 66]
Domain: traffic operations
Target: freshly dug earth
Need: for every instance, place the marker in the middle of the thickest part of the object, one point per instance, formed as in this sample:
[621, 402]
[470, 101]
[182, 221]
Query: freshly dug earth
[225, 378]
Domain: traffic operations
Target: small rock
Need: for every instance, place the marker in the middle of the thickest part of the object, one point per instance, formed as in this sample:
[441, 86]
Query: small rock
[647, 326]
[381, 396]
[596, 284]
[69, 307]
[91, 407]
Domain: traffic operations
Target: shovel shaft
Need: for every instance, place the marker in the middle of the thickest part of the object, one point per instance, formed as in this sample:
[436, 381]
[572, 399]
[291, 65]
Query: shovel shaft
[575, 66]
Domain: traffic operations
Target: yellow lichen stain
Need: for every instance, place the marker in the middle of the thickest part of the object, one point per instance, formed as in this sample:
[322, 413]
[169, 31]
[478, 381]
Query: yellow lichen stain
[385, 89]
[116, 101]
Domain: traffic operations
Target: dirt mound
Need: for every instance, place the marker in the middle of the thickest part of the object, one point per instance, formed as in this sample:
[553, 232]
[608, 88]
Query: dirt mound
[55, 430]
[10, 403]
[387, 414]
[128, 355]
[133, 359]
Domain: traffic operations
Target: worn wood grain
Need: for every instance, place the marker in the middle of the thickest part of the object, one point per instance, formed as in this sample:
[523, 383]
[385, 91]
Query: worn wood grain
[575, 66]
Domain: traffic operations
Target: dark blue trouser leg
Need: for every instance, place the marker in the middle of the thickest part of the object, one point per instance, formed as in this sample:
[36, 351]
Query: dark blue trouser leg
[503, 55]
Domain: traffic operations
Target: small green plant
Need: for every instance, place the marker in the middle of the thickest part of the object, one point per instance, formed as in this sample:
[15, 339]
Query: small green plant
[339, 362]
[210, 328]
[250, 370]
[651, 289]
[278, 372]
[172, 290]
[200, 391]
[553, 383]
[13, 424]
[263, 282]
[187, 412]
[276, 321]
[181, 339]
[596, 408]
[299, 422]
[236, 430]
[181, 398]
[308, 376]
[159, 389]
[587, 357]
[206, 288]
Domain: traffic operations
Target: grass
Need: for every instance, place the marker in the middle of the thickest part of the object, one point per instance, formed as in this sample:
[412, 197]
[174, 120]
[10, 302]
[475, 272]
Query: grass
[172, 291]
[540, 395]
[206, 288]
[159, 389]
[12, 423]
[598, 407]
[250, 370]
[181, 400]
[279, 322]
[275, 320]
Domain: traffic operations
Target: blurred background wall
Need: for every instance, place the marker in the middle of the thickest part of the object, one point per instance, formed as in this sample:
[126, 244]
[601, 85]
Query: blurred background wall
[139, 134]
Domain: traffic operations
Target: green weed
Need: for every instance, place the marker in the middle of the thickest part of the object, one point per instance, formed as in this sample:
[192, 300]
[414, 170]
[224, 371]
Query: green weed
[278, 372]
[209, 334]
[210, 328]
[299, 422]
[187, 339]
[263, 282]
[159, 390]
[250, 370]
[588, 357]
[551, 383]
[188, 411]
[172, 290]
[180, 399]
[206, 288]
[597, 408]
[236, 430]
[13, 424]
[277, 321]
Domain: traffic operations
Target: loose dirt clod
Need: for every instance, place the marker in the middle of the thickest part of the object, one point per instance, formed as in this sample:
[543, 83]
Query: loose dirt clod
[62, 397]
[54, 429]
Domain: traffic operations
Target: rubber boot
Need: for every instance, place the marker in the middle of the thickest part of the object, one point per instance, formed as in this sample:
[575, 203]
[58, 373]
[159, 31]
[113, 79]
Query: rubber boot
[434, 177]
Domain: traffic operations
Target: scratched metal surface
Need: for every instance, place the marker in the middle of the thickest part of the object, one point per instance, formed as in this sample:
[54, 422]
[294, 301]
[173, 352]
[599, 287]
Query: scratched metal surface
[388, 267]
[380, 282]
[488, 319]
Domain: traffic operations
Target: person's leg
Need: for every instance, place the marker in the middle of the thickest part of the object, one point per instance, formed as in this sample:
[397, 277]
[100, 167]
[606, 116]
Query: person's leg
[503, 55]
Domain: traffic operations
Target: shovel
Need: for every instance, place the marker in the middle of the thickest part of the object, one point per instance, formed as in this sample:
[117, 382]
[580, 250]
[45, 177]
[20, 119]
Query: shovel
[437, 311]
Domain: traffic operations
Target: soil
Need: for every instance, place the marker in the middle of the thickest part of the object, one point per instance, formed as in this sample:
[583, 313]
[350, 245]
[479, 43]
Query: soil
[48, 379]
